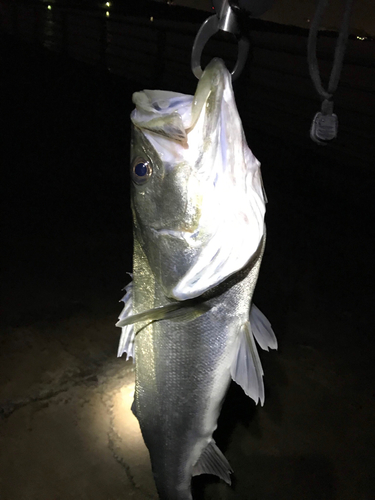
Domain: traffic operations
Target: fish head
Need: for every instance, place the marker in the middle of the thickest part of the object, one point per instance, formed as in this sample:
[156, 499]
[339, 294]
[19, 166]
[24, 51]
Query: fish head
[197, 195]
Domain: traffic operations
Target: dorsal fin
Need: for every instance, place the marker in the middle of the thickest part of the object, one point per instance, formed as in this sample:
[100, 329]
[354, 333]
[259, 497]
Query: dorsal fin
[126, 344]
[212, 461]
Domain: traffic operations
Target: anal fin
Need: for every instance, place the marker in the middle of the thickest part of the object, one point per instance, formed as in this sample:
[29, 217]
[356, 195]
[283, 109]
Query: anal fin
[212, 461]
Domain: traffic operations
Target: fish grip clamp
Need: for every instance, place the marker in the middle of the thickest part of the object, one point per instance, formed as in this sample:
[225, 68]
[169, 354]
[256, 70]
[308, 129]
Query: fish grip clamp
[229, 18]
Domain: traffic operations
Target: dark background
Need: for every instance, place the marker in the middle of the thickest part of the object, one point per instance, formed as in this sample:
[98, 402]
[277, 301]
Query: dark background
[67, 245]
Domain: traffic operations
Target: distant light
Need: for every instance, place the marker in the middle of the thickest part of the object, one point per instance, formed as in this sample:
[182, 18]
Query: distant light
[108, 4]
[107, 13]
[151, 18]
[49, 7]
[361, 38]
[308, 20]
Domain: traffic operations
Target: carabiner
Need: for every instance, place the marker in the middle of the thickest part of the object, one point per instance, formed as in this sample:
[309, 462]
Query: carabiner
[225, 21]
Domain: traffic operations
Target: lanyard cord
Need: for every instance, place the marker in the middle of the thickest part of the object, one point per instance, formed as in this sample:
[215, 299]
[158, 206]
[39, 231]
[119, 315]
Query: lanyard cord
[339, 50]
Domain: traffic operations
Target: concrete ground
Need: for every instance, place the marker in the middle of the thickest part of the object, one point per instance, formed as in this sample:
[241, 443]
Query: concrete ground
[66, 430]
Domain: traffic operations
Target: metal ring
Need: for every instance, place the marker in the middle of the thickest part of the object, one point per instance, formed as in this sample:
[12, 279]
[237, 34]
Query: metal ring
[206, 31]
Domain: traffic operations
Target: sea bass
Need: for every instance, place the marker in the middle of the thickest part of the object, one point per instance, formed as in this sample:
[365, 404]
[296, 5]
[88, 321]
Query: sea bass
[198, 207]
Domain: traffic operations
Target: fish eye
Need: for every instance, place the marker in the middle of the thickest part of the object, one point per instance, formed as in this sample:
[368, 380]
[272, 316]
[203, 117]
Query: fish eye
[141, 170]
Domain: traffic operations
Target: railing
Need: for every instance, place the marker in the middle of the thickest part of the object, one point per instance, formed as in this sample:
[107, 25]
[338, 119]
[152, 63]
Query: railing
[275, 91]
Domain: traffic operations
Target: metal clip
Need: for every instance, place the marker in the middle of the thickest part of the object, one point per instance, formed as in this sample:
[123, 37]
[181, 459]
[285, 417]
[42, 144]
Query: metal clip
[225, 21]
[325, 124]
[227, 17]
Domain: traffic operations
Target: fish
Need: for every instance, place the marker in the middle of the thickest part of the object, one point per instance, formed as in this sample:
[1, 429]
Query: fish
[188, 321]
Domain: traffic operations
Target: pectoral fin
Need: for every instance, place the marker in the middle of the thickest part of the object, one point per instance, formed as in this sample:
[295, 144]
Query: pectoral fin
[188, 313]
[246, 369]
[176, 311]
[212, 461]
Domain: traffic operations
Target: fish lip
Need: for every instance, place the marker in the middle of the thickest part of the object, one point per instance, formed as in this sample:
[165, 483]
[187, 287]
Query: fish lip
[170, 232]
[181, 235]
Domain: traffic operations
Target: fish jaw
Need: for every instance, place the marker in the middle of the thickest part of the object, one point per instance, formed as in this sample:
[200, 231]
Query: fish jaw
[200, 217]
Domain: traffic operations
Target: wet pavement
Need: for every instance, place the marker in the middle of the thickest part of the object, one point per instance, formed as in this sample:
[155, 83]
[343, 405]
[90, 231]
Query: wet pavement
[66, 430]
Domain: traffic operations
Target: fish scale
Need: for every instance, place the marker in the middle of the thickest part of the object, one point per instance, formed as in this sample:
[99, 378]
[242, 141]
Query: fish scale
[179, 409]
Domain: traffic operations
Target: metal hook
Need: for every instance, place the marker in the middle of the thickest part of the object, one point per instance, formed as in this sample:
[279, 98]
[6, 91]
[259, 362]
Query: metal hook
[225, 21]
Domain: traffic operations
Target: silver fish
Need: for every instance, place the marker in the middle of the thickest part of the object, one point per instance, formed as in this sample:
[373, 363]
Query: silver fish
[198, 206]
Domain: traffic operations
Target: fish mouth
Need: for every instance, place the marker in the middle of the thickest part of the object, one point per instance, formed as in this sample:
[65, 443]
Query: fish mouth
[214, 79]
[181, 235]
[170, 232]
